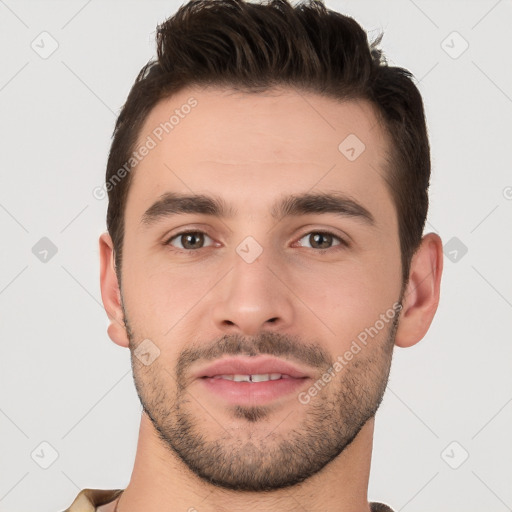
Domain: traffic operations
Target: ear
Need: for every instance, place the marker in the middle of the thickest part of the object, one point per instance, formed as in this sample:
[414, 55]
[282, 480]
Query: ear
[421, 296]
[110, 292]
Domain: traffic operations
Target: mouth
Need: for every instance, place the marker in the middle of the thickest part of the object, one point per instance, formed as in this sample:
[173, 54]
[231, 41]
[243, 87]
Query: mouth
[257, 377]
[252, 381]
[252, 369]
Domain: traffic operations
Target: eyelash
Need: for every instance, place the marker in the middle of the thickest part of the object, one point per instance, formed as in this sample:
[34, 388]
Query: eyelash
[343, 243]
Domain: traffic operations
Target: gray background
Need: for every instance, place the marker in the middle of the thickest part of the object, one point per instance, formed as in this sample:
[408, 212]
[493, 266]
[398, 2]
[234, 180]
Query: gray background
[63, 382]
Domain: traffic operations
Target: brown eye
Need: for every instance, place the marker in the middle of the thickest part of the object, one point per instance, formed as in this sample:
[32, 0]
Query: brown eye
[322, 240]
[189, 240]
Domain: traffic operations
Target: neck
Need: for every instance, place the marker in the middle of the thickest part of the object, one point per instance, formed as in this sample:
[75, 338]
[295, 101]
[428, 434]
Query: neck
[161, 482]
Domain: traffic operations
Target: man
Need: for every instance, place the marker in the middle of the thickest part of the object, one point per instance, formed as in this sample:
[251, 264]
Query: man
[268, 189]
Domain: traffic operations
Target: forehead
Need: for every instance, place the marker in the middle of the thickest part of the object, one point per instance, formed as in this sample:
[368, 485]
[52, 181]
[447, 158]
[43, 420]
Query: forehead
[250, 147]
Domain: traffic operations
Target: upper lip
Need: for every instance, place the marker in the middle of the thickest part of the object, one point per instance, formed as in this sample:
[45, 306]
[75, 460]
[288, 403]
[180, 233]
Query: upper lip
[250, 366]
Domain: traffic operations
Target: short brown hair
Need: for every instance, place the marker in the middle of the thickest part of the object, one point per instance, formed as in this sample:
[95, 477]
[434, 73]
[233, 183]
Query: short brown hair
[252, 47]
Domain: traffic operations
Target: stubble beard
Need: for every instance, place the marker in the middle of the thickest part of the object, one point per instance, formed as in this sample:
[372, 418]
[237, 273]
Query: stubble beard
[262, 453]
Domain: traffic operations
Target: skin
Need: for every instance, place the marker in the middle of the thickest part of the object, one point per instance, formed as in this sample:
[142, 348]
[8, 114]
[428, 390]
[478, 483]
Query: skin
[251, 149]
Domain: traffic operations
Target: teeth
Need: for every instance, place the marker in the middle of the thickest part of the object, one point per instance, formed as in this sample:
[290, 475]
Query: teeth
[261, 377]
[242, 378]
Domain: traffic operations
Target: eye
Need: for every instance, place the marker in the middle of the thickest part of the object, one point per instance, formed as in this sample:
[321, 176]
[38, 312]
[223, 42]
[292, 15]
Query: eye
[323, 240]
[188, 240]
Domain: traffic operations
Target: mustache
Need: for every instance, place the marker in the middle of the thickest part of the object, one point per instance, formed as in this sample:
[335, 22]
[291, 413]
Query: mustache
[266, 343]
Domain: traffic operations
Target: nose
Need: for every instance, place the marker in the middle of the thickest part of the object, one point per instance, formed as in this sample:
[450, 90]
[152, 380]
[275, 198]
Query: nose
[251, 298]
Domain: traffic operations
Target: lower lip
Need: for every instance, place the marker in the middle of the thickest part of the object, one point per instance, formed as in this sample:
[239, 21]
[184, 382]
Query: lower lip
[253, 393]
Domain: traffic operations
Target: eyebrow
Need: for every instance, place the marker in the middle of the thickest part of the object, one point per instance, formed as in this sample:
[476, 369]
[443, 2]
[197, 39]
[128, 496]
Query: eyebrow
[172, 203]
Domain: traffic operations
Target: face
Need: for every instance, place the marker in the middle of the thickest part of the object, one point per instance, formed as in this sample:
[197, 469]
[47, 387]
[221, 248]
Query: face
[286, 268]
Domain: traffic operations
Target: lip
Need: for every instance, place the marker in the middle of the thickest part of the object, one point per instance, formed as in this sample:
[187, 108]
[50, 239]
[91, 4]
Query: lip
[251, 366]
[252, 393]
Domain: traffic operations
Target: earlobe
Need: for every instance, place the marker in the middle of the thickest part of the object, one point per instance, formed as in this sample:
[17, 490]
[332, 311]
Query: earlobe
[421, 296]
[110, 292]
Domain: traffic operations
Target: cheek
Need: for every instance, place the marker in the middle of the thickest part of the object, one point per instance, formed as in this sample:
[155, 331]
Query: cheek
[161, 296]
[375, 294]
[349, 297]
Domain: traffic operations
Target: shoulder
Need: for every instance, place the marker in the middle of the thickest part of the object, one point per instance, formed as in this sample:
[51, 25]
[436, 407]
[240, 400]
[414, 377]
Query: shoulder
[88, 499]
[380, 507]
